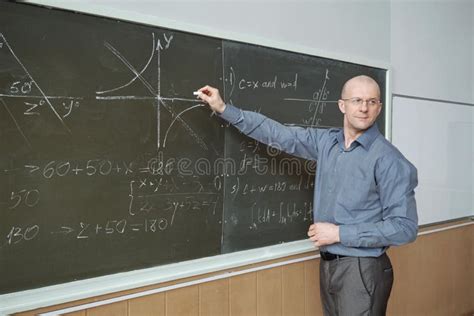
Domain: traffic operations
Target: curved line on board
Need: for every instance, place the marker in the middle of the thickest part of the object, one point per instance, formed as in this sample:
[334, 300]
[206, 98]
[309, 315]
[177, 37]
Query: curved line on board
[136, 75]
[177, 117]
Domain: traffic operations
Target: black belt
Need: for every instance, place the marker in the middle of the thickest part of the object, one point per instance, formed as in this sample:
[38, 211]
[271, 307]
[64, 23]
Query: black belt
[327, 256]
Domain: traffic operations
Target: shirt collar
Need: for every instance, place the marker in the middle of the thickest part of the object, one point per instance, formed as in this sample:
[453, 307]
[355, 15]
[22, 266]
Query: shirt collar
[340, 138]
[366, 139]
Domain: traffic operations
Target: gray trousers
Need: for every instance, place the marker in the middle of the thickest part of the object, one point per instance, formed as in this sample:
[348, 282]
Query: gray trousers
[355, 285]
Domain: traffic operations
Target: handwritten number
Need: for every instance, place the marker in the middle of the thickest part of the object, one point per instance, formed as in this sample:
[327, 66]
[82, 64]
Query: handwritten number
[16, 196]
[84, 226]
[48, 171]
[14, 89]
[14, 232]
[17, 234]
[91, 170]
[30, 198]
[19, 87]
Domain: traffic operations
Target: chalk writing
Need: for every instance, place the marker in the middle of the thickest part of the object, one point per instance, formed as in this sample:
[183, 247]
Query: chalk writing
[26, 87]
[316, 105]
[286, 213]
[31, 107]
[24, 197]
[19, 87]
[158, 45]
[112, 227]
[167, 195]
[19, 234]
[274, 83]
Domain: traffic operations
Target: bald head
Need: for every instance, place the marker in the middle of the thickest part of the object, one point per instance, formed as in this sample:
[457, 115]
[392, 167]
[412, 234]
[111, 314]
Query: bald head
[357, 82]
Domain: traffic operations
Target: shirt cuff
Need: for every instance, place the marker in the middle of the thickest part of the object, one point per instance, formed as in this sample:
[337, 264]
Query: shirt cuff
[231, 114]
[348, 235]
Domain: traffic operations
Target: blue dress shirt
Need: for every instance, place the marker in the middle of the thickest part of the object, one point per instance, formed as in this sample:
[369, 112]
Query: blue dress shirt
[367, 189]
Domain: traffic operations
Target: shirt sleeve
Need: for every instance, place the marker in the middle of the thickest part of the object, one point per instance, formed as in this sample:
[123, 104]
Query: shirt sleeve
[396, 182]
[297, 141]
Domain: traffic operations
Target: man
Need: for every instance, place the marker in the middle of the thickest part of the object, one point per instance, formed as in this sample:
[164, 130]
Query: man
[364, 195]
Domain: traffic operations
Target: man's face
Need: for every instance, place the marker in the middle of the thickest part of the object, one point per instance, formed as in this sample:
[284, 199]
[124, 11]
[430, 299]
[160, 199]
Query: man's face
[360, 105]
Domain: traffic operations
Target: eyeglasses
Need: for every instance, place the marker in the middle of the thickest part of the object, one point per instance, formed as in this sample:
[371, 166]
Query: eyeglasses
[359, 101]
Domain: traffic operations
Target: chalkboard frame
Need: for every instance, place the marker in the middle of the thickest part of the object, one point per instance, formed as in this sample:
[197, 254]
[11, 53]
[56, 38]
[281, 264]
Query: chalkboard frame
[66, 292]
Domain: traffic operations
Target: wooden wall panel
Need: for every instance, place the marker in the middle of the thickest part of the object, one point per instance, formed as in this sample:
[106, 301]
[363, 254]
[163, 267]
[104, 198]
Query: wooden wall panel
[435, 276]
[184, 301]
[293, 290]
[311, 285]
[462, 269]
[269, 292]
[243, 295]
[214, 298]
[432, 275]
[115, 309]
[406, 276]
[147, 305]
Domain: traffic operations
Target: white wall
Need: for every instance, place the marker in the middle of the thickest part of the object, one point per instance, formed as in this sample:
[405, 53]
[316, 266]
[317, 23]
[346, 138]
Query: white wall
[432, 57]
[432, 49]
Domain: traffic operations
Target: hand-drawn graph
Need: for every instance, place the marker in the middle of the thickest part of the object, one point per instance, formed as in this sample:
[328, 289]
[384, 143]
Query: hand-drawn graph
[316, 105]
[158, 45]
[62, 107]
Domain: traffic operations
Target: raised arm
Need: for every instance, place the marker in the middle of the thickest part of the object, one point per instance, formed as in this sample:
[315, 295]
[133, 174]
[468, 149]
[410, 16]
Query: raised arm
[298, 141]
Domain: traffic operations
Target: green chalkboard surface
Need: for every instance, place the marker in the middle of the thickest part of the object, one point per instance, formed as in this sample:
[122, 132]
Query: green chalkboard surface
[110, 164]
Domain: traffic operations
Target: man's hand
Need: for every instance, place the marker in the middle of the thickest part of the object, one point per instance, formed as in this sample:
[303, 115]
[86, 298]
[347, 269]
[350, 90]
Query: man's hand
[323, 234]
[212, 97]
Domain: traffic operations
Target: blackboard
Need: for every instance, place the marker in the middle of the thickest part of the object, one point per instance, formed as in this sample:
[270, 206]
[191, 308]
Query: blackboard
[109, 163]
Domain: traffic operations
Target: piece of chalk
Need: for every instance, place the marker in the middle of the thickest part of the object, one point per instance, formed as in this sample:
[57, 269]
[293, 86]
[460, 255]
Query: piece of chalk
[197, 92]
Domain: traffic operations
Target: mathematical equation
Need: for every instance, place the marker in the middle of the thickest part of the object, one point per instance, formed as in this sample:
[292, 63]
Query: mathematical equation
[156, 192]
[84, 230]
[262, 215]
